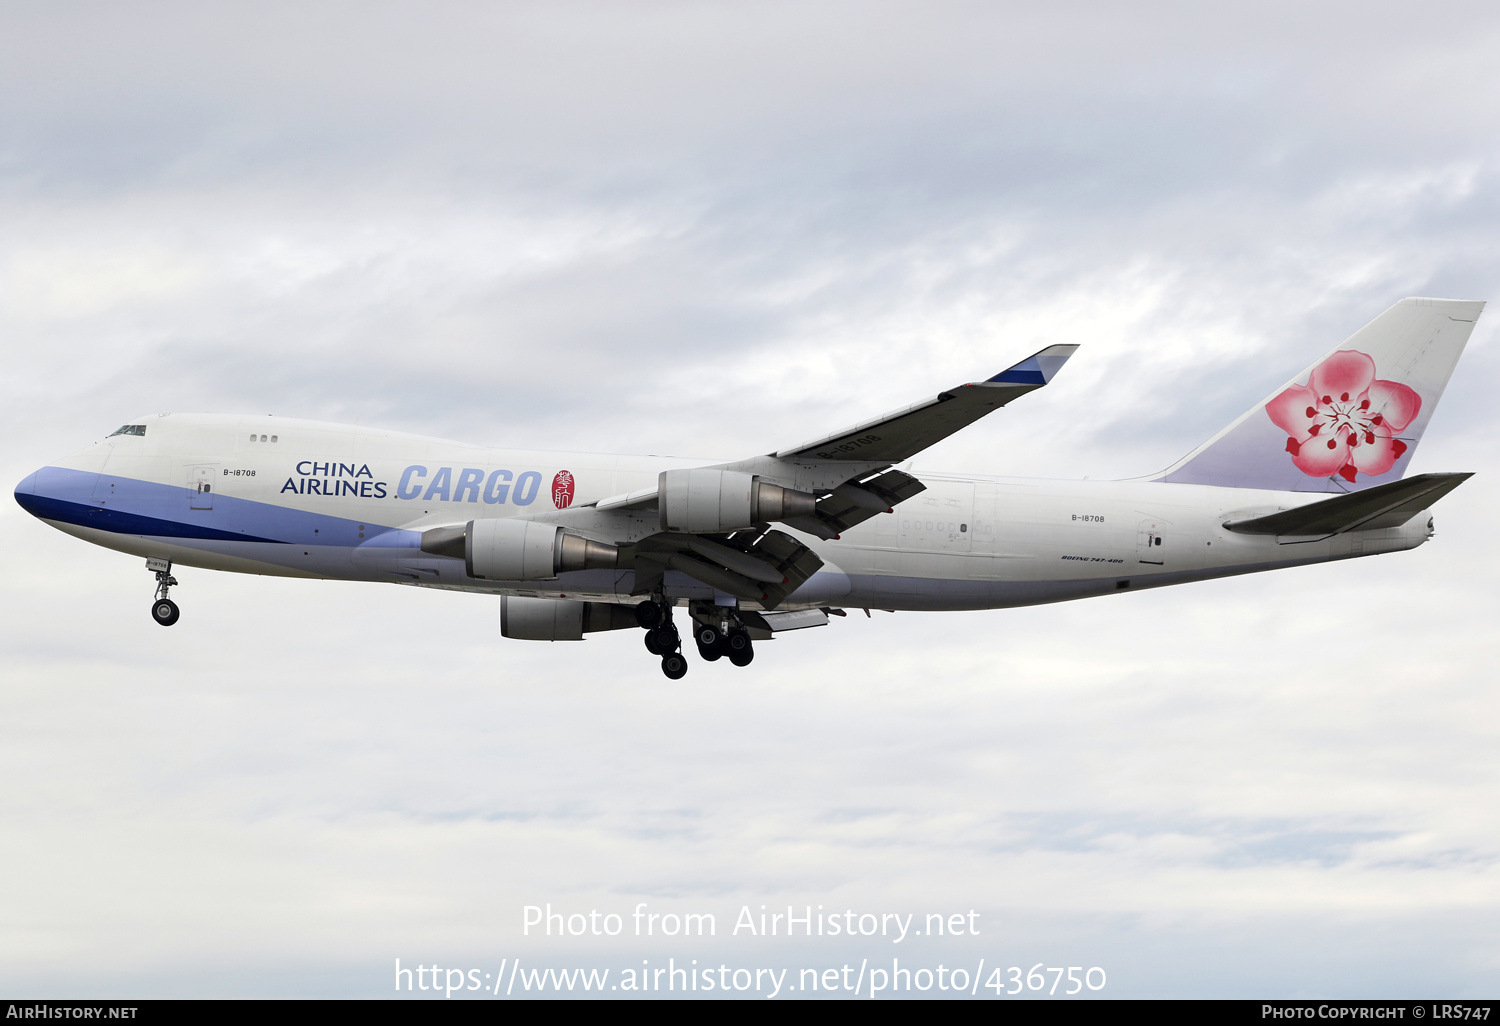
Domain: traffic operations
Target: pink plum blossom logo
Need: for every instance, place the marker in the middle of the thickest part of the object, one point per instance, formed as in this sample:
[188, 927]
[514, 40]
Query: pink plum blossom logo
[1343, 421]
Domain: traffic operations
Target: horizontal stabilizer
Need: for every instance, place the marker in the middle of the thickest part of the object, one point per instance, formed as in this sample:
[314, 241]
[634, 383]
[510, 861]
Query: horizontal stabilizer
[1387, 505]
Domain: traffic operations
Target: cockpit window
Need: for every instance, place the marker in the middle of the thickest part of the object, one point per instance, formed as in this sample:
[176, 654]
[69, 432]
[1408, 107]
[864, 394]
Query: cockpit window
[129, 429]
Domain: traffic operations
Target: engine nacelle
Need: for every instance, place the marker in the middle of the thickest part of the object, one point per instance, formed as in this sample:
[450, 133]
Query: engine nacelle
[518, 550]
[703, 501]
[538, 619]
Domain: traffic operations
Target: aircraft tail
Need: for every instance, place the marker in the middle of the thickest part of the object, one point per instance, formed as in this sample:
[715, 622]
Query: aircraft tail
[1351, 420]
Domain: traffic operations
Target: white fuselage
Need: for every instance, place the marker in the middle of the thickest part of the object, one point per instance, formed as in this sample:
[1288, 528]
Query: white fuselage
[335, 501]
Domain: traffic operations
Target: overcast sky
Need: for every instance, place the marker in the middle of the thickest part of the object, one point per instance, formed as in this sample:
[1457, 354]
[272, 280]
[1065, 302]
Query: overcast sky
[705, 230]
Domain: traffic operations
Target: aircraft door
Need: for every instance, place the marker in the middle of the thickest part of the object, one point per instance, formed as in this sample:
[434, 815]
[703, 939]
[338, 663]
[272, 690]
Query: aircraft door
[1150, 547]
[202, 481]
[938, 520]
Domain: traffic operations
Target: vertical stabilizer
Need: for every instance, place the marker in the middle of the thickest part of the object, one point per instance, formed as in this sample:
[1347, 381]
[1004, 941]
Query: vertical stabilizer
[1351, 420]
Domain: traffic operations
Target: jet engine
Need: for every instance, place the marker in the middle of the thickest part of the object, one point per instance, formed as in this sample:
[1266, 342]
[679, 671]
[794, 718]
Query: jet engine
[703, 501]
[518, 550]
[539, 619]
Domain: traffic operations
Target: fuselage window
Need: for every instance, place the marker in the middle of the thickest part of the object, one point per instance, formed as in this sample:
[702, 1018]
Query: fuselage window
[262, 438]
[273, 438]
[252, 438]
[129, 429]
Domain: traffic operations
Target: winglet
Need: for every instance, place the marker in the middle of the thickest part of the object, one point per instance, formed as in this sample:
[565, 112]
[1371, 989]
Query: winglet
[1038, 368]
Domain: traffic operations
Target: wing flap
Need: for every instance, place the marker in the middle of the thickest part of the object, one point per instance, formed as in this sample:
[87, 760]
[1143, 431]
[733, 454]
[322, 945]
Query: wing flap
[854, 503]
[764, 569]
[793, 620]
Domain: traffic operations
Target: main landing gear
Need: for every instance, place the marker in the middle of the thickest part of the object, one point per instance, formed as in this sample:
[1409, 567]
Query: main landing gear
[717, 632]
[661, 637]
[715, 642]
[164, 611]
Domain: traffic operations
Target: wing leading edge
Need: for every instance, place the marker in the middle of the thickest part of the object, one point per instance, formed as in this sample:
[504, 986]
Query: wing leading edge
[901, 434]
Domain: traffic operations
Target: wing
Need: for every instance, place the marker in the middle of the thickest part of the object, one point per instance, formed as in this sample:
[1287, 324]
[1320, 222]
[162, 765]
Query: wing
[901, 434]
[851, 475]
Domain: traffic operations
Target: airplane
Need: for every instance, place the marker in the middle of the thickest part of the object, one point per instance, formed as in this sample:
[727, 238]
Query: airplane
[578, 543]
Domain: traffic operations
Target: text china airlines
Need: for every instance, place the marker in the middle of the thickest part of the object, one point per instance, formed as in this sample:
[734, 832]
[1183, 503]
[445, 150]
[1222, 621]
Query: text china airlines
[446, 484]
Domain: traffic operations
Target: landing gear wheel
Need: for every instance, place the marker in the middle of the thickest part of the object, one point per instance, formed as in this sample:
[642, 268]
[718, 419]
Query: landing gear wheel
[648, 614]
[707, 635]
[740, 649]
[165, 612]
[661, 640]
[674, 665]
[708, 652]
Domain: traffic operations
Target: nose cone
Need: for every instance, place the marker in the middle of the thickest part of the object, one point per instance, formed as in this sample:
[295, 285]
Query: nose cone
[52, 492]
[28, 497]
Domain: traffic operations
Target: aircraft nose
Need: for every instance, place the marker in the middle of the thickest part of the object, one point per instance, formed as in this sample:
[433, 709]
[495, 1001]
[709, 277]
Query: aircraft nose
[53, 489]
[26, 494]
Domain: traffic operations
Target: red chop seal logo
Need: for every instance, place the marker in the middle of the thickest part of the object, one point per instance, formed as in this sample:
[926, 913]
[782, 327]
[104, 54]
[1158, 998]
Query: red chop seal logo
[562, 490]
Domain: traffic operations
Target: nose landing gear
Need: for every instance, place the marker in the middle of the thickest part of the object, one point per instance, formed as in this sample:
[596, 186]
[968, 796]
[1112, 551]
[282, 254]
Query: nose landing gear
[164, 611]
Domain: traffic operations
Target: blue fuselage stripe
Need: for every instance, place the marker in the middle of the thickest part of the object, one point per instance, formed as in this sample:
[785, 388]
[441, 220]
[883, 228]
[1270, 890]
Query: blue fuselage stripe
[86, 514]
[125, 505]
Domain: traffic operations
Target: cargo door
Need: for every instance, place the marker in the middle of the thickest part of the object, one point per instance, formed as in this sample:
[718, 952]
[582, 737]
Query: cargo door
[103, 488]
[982, 562]
[937, 520]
